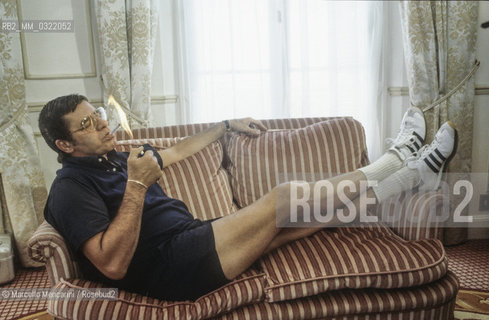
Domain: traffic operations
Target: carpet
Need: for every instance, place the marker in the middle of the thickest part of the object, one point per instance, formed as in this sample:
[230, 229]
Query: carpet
[472, 305]
[24, 278]
[470, 262]
[43, 315]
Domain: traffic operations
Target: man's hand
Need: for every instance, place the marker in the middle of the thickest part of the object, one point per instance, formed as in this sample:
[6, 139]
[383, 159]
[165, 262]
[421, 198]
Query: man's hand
[248, 126]
[111, 251]
[145, 169]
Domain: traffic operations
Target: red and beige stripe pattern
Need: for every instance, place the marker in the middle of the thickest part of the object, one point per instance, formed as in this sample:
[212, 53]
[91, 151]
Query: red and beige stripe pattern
[246, 289]
[127, 306]
[198, 180]
[294, 123]
[48, 246]
[362, 257]
[191, 129]
[431, 301]
[318, 151]
[164, 132]
[413, 216]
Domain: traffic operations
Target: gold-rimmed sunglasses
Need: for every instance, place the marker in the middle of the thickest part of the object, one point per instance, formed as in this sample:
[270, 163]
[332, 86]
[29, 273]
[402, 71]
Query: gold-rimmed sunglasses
[90, 122]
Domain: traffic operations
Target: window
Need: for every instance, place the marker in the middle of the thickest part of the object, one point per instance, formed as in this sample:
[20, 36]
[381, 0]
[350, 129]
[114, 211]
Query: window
[280, 58]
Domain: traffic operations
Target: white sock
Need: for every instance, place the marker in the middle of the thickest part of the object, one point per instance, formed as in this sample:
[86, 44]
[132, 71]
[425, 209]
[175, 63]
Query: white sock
[382, 167]
[402, 180]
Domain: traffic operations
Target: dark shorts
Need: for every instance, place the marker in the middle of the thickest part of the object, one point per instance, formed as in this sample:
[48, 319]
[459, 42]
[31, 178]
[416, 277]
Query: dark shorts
[190, 263]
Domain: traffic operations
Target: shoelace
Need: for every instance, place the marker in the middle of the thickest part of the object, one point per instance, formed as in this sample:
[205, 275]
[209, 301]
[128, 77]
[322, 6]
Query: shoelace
[418, 155]
[402, 136]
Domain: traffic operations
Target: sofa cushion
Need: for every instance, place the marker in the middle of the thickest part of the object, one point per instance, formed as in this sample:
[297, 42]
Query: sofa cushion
[413, 214]
[351, 257]
[198, 180]
[431, 301]
[245, 289]
[318, 151]
[127, 305]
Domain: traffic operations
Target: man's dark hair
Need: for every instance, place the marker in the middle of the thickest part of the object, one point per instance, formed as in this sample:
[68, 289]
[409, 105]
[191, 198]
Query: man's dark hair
[52, 124]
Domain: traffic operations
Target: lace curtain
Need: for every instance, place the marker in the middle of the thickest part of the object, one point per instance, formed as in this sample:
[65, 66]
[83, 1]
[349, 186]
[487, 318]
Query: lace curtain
[23, 182]
[127, 33]
[439, 39]
[282, 58]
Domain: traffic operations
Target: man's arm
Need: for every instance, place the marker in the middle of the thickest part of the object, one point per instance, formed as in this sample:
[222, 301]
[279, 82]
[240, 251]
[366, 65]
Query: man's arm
[112, 250]
[195, 143]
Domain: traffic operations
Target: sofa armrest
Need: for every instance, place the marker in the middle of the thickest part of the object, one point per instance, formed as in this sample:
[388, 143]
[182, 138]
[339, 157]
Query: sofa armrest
[414, 215]
[47, 246]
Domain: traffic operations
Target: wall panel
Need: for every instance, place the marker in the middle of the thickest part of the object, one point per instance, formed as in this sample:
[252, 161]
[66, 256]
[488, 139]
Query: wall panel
[54, 55]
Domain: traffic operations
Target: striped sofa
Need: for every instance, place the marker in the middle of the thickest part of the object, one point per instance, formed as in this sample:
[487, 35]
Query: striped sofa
[370, 271]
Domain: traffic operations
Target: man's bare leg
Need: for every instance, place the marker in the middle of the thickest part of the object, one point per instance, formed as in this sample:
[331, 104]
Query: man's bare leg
[287, 235]
[241, 238]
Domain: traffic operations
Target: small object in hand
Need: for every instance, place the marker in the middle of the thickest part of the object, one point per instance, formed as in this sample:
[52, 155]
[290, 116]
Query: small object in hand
[147, 147]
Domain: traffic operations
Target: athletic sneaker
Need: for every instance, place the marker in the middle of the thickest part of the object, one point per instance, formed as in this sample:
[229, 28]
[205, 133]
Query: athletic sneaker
[434, 157]
[411, 135]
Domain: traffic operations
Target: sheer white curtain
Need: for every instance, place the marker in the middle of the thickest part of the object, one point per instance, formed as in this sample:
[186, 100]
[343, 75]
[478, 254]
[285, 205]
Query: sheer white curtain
[282, 58]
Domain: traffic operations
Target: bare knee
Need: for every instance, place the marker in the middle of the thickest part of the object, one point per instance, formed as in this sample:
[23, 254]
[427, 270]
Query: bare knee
[283, 195]
[283, 190]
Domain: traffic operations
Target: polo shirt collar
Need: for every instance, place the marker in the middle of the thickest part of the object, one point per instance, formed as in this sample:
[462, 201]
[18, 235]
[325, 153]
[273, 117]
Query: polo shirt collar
[112, 163]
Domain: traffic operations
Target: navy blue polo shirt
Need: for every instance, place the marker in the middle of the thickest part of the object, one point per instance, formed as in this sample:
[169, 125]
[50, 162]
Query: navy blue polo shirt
[86, 196]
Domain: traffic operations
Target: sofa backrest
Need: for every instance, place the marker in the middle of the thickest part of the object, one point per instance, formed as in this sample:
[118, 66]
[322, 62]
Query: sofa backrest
[185, 130]
[315, 152]
[292, 149]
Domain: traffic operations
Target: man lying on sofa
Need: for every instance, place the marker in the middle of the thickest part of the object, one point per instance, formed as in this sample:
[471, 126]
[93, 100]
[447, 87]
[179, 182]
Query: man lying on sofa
[127, 233]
